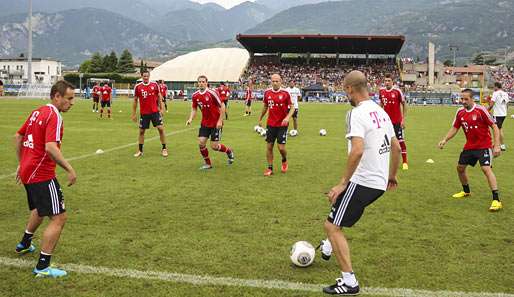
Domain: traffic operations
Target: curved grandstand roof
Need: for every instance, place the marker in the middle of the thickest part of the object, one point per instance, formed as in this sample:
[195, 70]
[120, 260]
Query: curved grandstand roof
[218, 64]
[323, 44]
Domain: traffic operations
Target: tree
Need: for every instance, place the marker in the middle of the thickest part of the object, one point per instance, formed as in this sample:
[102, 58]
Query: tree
[125, 63]
[97, 63]
[111, 62]
[85, 67]
[448, 63]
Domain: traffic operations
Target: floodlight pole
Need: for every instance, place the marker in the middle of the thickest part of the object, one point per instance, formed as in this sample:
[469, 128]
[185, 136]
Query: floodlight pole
[29, 52]
[454, 49]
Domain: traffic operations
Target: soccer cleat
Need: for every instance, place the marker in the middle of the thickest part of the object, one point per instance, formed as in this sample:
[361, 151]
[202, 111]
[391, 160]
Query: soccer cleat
[495, 206]
[405, 166]
[138, 154]
[21, 249]
[325, 248]
[205, 167]
[268, 172]
[461, 194]
[164, 152]
[284, 167]
[340, 288]
[49, 272]
[230, 157]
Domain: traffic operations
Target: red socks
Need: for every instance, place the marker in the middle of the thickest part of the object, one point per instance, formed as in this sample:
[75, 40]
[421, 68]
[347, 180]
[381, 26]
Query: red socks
[404, 151]
[222, 148]
[205, 154]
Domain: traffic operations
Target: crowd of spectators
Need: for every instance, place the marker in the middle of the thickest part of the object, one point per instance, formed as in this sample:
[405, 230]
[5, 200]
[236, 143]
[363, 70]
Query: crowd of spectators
[505, 76]
[322, 71]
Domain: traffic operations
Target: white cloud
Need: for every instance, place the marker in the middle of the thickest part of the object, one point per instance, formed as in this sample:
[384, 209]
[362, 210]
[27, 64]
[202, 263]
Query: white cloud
[224, 3]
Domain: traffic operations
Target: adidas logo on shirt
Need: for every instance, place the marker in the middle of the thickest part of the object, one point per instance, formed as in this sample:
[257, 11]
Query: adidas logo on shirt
[385, 147]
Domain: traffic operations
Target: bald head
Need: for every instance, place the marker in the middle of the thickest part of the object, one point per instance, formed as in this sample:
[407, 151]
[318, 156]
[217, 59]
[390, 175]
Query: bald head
[356, 87]
[276, 81]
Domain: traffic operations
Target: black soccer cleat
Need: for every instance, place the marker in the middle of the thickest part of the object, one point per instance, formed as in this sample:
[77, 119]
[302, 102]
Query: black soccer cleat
[230, 156]
[340, 288]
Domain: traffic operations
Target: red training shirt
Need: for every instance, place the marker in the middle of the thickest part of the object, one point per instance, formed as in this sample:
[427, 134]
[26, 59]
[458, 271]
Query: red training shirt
[44, 125]
[475, 123]
[278, 103]
[148, 95]
[106, 93]
[391, 101]
[96, 89]
[223, 92]
[164, 90]
[210, 104]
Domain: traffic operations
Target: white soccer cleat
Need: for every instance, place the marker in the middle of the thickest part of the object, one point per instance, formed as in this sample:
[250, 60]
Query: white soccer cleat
[326, 249]
[138, 154]
[164, 152]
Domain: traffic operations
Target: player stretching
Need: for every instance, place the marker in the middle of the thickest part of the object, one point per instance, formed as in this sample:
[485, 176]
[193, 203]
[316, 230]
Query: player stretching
[295, 96]
[248, 100]
[106, 100]
[372, 145]
[164, 93]
[150, 108]
[393, 102]
[224, 93]
[498, 106]
[212, 121]
[278, 102]
[475, 121]
[38, 148]
[96, 96]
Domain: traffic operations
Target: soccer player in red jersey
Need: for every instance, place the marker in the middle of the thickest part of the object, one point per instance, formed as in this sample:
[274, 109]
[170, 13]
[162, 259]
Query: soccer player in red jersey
[164, 93]
[476, 122]
[106, 100]
[248, 100]
[278, 102]
[224, 94]
[150, 107]
[393, 102]
[96, 96]
[38, 148]
[212, 121]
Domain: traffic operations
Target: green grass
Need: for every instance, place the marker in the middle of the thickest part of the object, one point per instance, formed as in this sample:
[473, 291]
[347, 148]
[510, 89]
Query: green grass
[165, 215]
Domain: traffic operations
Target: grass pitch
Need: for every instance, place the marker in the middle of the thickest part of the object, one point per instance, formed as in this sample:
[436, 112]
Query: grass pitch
[165, 215]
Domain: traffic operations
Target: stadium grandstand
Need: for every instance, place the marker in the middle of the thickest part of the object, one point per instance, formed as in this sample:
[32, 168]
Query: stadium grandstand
[320, 60]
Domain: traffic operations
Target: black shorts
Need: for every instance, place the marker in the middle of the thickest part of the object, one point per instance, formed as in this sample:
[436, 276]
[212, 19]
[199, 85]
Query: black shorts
[226, 103]
[499, 121]
[350, 205]
[105, 103]
[471, 157]
[96, 98]
[46, 197]
[398, 131]
[248, 103]
[295, 114]
[213, 133]
[278, 133]
[144, 120]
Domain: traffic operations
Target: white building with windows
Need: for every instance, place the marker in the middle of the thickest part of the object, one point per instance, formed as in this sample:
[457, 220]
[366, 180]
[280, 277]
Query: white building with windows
[15, 70]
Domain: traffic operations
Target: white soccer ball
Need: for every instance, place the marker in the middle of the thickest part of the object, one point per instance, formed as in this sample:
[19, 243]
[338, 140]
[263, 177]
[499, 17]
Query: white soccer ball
[262, 132]
[322, 132]
[257, 128]
[293, 133]
[302, 254]
[512, 116]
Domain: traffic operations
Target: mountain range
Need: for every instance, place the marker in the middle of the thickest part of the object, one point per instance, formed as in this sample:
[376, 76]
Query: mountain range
[71, 30]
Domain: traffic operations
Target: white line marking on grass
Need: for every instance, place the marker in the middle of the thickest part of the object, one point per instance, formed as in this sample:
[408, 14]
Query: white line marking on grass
[238, 282]
[111, 149]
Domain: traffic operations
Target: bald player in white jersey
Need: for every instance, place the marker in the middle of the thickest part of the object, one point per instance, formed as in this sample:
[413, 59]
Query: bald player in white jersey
[373, 161]
[296, 95]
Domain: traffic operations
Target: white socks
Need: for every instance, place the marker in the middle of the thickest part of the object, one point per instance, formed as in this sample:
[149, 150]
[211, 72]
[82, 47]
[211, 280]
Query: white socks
[349, 279]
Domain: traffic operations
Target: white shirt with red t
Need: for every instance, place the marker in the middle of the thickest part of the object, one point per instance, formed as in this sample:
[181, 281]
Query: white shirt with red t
[209, 103]
[44, 125]
[278, 103]
[148, 95]
[392, 100]
[475, 123]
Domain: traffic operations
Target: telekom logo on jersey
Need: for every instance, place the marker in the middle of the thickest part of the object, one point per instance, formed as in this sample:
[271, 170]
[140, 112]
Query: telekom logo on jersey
[374, 117]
